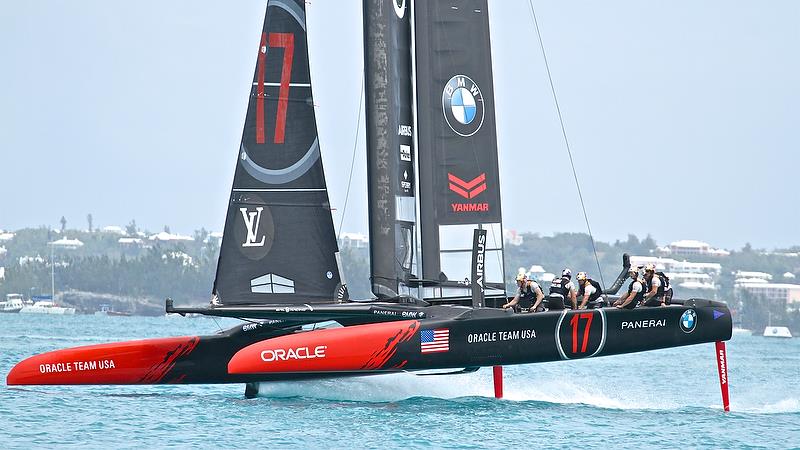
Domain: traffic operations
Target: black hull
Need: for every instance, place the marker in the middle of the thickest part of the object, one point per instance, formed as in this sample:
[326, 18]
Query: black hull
[465, 337]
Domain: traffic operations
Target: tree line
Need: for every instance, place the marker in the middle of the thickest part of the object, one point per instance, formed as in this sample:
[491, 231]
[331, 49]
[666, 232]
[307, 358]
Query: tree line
[185, 270]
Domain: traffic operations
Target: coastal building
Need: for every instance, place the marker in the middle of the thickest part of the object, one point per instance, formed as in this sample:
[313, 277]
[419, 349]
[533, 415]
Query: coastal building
[6, 236]
[353, 240]
[113, 229]
[215, 236]
[66, 243]
[700, 281]
[686, 278]
[511, 237]
[675, 266]
[536, 271]
[166, 237]
[748, 275]
[688, 248]
[777, 292]
[130, 242]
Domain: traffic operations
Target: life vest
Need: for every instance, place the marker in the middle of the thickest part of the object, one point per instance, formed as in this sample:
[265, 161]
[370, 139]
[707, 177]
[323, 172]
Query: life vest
[527, 296]
[560, 287]
[598, 290]
[639, 295]
[664, 284]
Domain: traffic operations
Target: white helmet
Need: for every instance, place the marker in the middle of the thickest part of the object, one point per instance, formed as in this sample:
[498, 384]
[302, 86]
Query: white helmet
[566, 273]
[581, 276]
[634, 271]
[650, 267]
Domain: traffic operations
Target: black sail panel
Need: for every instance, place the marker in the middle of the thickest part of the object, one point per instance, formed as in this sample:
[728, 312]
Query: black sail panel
[279, 245]
[390, 167]
[457, 143]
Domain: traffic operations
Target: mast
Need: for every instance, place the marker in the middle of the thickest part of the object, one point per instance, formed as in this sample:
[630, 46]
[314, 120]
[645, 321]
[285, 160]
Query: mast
[390, 156]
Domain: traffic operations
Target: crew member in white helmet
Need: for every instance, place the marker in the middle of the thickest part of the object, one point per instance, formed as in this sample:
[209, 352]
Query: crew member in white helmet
[529, 294]
[635, 294]
[589, 291]
[655, 286]
[563, 289]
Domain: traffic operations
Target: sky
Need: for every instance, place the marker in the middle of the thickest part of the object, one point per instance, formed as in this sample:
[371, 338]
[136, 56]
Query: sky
[682, 116]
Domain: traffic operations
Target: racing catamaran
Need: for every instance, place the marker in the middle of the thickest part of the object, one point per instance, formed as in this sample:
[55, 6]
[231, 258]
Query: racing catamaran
[279, 267]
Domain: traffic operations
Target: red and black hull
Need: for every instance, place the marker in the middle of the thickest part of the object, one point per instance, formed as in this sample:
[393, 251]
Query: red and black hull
[447, 337]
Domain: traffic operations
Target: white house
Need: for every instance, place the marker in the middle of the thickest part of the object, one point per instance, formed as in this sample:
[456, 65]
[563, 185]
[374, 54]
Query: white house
[165, 237]
[66, 243]
[773, 291]
[742, 274]
[113, 229]
[353, 240]
[689, 247]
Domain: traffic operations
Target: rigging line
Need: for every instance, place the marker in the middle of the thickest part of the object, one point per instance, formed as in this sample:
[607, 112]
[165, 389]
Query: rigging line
[353, 160]
[218, 325]
[566, 141]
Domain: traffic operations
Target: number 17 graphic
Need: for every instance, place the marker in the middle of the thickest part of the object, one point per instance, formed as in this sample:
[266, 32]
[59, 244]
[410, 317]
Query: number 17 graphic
[286, 41]
[575, 322]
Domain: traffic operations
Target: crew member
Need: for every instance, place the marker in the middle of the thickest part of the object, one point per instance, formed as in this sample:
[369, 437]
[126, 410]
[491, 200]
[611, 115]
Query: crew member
[655, 287]
[562, 292]
[635, 293]
[589, 291]
[529, 294]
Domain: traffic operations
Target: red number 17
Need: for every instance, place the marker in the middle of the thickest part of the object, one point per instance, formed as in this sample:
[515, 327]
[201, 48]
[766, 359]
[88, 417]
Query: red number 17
[285, 40]
[574, 322]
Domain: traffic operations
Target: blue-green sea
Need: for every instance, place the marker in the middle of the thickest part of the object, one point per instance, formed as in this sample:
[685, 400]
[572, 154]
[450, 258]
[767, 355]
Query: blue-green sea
[662, 399]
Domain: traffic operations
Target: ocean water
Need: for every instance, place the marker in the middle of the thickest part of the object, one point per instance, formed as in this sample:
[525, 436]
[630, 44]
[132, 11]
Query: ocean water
[664, 399]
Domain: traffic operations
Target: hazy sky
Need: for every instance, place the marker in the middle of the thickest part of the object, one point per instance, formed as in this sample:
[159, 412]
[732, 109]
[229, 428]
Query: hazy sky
[682, 115]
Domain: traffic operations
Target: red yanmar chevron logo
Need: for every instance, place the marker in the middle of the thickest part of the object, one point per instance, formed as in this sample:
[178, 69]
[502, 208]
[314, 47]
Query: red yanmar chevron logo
[467, 189]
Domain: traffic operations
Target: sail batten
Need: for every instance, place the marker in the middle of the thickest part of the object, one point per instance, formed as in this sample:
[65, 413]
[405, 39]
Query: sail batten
[279, 245]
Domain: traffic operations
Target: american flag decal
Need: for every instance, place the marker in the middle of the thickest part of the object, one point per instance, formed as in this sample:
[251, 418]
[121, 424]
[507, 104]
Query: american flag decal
[434, 341]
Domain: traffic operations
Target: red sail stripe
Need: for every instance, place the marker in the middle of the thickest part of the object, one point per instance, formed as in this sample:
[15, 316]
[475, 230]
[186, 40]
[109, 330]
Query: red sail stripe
[262, 56]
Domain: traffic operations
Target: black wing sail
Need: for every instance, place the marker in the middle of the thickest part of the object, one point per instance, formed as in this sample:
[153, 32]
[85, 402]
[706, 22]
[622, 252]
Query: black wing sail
[390, 166]
[279, 245]
[457, 147]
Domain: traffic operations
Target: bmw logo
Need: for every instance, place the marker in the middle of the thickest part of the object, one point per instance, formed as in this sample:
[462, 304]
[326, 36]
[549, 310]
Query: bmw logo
[688, 321]
[462, 105]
